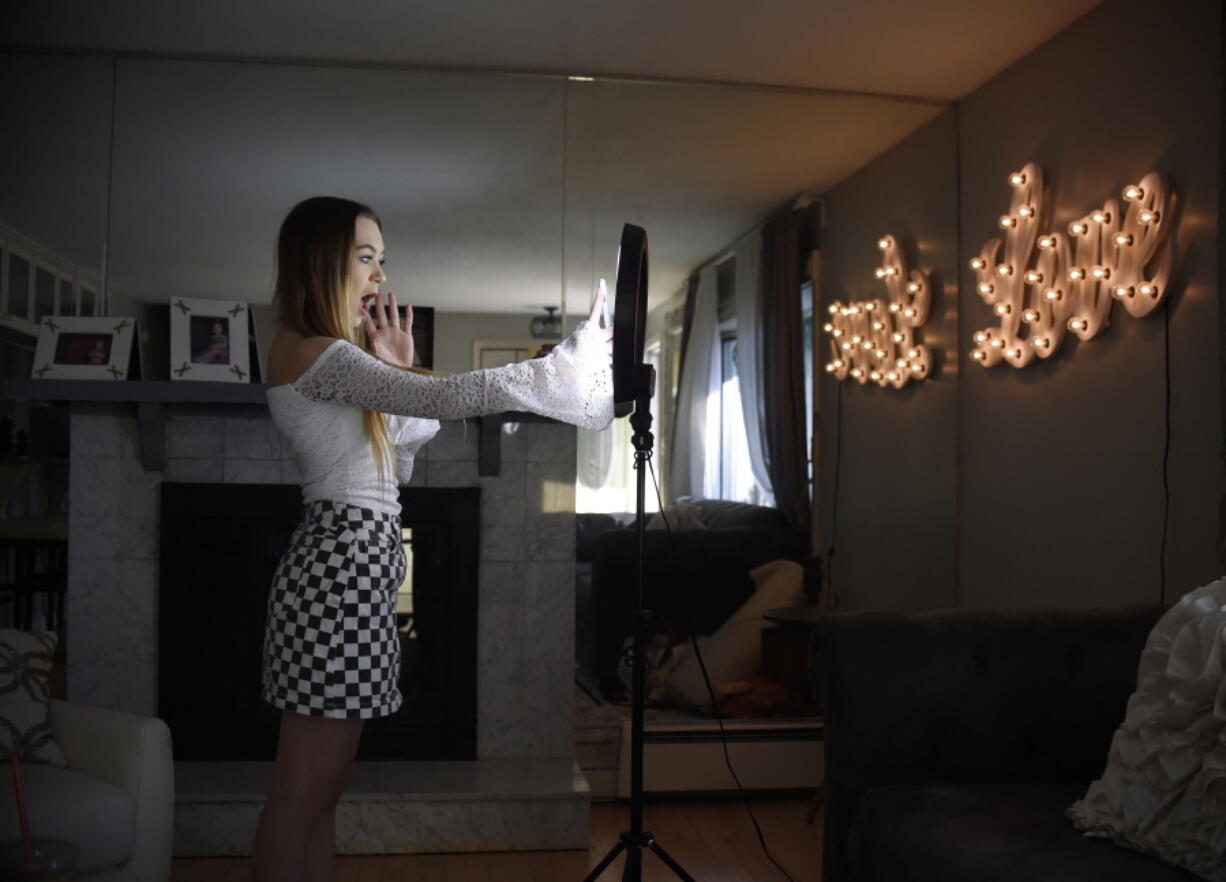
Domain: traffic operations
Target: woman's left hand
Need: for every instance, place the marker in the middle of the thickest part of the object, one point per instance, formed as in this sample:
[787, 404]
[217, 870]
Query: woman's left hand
[388, 340]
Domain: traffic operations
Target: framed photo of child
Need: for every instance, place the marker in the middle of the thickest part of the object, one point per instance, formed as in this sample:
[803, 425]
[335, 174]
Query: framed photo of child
[85, 348]
[211, 340]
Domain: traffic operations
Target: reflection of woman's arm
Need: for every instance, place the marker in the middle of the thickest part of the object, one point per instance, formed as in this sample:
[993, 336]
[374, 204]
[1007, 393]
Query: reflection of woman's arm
[573, 384]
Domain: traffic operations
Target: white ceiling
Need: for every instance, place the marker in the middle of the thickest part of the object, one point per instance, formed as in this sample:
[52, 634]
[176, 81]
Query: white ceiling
[422, 110]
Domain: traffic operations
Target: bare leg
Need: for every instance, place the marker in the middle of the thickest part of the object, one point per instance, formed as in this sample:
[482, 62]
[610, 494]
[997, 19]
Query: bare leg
[314, 756]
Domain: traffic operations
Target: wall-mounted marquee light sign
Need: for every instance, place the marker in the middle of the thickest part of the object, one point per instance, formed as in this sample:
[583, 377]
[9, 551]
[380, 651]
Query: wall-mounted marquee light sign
[874, 340]
[1046, 284]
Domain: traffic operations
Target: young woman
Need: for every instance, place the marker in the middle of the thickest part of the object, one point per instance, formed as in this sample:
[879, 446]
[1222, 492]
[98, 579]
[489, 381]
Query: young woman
[343, 394]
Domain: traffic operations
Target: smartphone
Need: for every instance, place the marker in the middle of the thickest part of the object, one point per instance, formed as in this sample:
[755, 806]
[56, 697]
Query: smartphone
[606, 310]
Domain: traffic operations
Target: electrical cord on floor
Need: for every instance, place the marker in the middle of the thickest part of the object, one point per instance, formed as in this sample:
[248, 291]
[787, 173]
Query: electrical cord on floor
[723, 733]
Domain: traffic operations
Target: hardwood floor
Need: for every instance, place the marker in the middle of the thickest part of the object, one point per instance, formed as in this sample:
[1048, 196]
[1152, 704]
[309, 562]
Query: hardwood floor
[713, 840]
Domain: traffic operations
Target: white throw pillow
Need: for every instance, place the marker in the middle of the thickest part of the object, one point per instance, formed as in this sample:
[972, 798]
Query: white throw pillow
[25, 691]
[734, 651]
[1163, 791]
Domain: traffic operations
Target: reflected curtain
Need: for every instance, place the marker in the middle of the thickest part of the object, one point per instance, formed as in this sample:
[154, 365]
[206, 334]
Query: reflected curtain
[693, 468]
[783, 380]
[748, 296]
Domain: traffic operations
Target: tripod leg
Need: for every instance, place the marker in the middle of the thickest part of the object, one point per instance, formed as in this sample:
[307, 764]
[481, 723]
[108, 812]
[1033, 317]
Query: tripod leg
[672, 864]
[604, 863]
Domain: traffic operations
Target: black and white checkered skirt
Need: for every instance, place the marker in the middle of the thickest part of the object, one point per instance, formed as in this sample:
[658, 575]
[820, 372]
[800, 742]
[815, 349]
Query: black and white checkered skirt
[330, 643]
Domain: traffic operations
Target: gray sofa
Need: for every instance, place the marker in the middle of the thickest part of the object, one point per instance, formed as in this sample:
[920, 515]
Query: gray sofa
[956, 739]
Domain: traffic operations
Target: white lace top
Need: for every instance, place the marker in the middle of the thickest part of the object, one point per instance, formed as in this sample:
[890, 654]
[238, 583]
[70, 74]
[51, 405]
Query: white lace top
[320, 413]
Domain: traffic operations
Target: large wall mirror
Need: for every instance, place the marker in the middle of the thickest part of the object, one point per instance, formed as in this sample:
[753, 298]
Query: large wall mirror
[501, 194]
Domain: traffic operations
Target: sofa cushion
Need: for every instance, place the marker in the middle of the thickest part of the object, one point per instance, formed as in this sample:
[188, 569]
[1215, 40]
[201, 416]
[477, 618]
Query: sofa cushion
[97, 817]
[25, 690]
[1006, 832]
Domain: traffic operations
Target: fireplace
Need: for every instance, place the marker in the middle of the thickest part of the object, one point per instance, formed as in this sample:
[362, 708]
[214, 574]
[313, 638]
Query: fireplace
[220, 544]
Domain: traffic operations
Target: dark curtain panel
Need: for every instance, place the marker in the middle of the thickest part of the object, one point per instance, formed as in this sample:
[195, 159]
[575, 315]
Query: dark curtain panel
[783, 368]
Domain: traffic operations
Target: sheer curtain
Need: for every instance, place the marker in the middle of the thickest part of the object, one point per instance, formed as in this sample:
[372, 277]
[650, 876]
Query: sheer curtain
[694, 467]
[749, 354]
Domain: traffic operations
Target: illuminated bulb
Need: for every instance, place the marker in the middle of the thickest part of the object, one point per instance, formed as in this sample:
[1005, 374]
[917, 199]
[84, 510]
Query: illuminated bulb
[867, 345]
[880, 353]
[1148, 217]
[1015, 353]
[828, 328]
[856, 338]
[913, 288]
[909, 312]
[891, 376]
[869, 307]
[918, 368]
[894, 307]
[1101, 217]
[837, 332]
[1004, 270]
[981, 337]
[1122, 292]
[1047, 242]
[1017, 179]
[1077, 324]
[1123, 239]
[1101, 272]
[1008, 222]
[830, 368]
[1034, 278]
[1149, 290]
[1002, 309]
[878, 326]
[1041, 341]
[985, 288]
[874, 375]
[857, 309]
[999, 344]
[1133, 193]
[1078, 229]
[977, 263]
[883, 243]
[857, 373]
[899, 337]
[1076, 275]
[914, 353]
[848, 311]
[891, 270]
[838, 362]
[1030, 315]
[902, 362]
[880, 272]
[846, 347]
[979, 355]
[833, 309]
[1026, 211]
[1052, 294]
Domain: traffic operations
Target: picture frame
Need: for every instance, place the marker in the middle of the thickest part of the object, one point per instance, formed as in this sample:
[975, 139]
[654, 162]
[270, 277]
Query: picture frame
[86, 348]
[496, 353]
[212, 341]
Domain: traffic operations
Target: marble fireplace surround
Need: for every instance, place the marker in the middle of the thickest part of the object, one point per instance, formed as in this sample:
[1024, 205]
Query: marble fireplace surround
[523, 790]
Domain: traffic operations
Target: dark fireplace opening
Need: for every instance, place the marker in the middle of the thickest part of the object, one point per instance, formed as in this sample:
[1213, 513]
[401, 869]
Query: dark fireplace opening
[220, 545]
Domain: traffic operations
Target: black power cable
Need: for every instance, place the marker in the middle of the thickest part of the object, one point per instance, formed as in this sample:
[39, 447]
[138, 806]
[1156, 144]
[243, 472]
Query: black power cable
[723, 733]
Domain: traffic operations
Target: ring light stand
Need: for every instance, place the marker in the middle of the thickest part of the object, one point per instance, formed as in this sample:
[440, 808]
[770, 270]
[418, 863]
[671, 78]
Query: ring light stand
[633, 385]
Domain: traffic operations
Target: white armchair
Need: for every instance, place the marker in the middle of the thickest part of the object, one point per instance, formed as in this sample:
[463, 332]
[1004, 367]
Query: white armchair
[116, 799]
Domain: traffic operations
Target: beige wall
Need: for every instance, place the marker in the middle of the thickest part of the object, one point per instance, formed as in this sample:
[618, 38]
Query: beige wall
[1006, 488]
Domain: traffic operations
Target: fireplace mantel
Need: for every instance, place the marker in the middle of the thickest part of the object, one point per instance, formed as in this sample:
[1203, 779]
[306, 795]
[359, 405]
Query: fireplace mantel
[152, 397]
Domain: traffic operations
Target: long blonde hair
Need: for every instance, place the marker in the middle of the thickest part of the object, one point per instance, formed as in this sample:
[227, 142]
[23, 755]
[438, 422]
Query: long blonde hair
[311, 294]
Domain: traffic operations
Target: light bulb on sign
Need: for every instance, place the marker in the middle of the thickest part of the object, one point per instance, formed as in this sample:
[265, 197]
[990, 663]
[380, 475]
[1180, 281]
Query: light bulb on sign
[1026, 211]
[1133, 193]
[880, 272]
[977, 263]
[1148, 217]
[979, 355]
[1034, 278]
[1008, 222]
[1002, 309]
[1017, 179]
[899, 337]
[985, 288]
[1101, 272]
[1078, 229]
[883, 243]
[1149, 290]
[1030, 316]
[837, 332]
[1004, 270]
[1101, 217]
[1076, 275]
[981, 337]
[828, 328]
[894, 307]
[1121, 292]
[878, 326]
[1123, 239]
[1047, 242]
[1052, 294]
[913, 287]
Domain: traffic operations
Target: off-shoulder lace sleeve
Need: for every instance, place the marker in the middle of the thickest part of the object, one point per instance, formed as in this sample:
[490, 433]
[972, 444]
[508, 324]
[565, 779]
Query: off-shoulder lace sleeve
[573, 383]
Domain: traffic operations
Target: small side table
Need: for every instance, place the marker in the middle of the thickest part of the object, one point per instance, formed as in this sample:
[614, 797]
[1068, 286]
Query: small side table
[791, 659]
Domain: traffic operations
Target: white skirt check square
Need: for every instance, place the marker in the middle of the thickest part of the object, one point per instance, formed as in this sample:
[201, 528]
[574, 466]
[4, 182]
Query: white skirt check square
[330, 643]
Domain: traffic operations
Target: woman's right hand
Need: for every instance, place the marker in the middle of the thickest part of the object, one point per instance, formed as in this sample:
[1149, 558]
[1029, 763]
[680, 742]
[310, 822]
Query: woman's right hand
[388, 340]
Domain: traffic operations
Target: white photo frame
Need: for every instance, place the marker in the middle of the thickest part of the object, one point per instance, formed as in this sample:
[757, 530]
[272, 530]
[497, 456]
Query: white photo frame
[209, 340]
[85, 348]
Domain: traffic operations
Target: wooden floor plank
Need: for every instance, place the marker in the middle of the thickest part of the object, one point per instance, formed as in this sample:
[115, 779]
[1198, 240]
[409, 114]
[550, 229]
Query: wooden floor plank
[712, 840]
